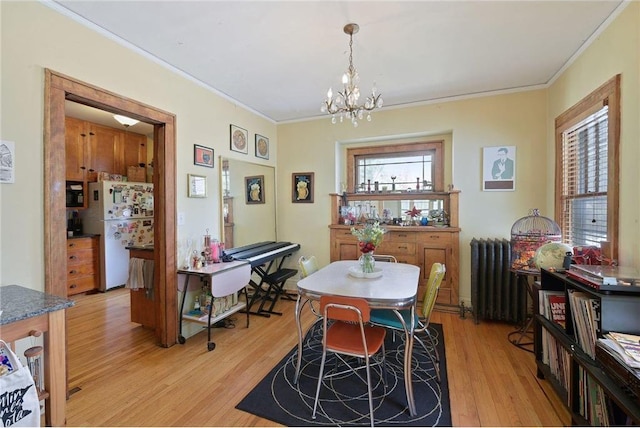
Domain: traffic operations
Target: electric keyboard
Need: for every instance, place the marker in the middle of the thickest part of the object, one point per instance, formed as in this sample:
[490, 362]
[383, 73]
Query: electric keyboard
[263, 252]
[262, 256]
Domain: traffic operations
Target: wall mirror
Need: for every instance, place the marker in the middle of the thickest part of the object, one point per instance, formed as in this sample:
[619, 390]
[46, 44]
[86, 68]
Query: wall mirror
[245, 223]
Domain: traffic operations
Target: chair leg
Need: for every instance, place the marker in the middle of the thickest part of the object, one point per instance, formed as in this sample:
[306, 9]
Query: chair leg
[369, 389]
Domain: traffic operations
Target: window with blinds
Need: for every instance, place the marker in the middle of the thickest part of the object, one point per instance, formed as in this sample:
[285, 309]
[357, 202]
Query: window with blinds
[587, 169]
[585, 179]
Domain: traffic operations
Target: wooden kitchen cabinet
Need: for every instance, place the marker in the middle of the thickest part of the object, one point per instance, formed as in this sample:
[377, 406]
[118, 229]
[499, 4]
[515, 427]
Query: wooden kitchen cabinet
[76, 150]
[417, 245]
[91, 148]
[82, 264]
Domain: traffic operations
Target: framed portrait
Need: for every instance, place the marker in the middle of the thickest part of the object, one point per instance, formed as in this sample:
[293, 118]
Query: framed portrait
[499, 168]
[262, 147]
[302, 184]
[239, 139]
[254, 188]
[202, 156]
[197, 186]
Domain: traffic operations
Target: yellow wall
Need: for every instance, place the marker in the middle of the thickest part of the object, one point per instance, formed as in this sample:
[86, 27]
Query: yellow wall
[615, 51]
[517, 119]
[35, 37]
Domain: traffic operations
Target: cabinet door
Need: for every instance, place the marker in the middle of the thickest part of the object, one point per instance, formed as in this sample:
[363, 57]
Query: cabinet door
[134, 152]
[75, 139]
[435, 254]
[103, 150]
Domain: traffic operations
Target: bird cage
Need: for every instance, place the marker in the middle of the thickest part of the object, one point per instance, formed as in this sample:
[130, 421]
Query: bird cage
[527, 235]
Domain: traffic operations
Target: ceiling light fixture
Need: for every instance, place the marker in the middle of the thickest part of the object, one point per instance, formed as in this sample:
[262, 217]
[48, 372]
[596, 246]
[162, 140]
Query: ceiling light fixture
[346, 102]
[124, 120]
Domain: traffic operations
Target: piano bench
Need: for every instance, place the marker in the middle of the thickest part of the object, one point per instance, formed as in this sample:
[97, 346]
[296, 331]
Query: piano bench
[279, 277]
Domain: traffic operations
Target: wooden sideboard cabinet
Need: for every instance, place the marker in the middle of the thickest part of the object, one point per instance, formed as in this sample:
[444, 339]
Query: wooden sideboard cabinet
[82, 264]
[417, 245]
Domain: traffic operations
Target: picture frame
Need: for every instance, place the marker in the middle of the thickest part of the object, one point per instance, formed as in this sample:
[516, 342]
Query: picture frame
[262, 147]
[254, 189]
[239, 139]
[196, 186]
[203, 156]
[302, 184]
[499, 169]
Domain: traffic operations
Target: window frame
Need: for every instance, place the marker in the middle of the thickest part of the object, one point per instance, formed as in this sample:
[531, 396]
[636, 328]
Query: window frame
[389, 149]
[608, 94]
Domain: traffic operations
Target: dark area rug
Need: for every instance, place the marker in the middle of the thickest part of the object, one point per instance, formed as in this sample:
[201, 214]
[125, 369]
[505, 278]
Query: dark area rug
[278, 399]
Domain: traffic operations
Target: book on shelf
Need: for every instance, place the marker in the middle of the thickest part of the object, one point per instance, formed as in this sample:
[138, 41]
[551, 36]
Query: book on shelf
[585, 313]
[626, 346]
[552, 306]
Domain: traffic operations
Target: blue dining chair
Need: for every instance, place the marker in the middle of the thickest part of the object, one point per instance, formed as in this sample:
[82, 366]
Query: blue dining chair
[389, 319]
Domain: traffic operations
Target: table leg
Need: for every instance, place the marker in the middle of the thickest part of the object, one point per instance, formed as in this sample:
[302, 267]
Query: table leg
[408, 355]
[181, 338]
[299, 307]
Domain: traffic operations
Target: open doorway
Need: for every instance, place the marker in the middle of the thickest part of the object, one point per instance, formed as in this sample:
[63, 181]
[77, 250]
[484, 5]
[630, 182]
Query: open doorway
[58, 89]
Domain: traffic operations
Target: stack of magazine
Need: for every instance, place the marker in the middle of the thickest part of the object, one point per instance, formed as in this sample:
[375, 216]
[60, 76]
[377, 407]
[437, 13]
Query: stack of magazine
[623, 347]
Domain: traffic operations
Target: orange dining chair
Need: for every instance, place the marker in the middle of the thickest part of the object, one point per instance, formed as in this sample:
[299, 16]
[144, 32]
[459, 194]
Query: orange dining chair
[389, 319]
[349, 334]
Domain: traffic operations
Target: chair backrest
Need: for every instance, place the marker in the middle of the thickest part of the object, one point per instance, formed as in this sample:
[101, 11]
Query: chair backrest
[307, 266]
[385, 258]
[349, 309]
[433, 285]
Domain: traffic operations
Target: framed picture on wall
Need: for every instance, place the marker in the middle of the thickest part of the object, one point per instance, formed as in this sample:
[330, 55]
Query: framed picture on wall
[262, 147]
[239, 139]
[302, 184]
[254, 188]
[197, 186]
[499, 168]
[202, 156]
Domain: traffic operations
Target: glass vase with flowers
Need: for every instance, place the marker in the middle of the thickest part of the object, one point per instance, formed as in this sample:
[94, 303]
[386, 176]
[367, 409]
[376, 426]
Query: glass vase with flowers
[369, 238]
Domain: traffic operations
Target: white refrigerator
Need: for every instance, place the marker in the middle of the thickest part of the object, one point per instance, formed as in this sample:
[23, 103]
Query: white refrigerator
[122, 213]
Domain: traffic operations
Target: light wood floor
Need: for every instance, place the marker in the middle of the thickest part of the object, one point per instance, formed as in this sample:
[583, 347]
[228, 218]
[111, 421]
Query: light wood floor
[125, 379]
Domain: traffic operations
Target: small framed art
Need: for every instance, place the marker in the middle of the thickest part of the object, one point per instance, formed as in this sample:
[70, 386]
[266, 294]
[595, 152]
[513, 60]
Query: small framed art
[202, 156]
[254, 188]
[499, 168]
[197, 186]
[239, 139]
[302, 187]
[262, 147]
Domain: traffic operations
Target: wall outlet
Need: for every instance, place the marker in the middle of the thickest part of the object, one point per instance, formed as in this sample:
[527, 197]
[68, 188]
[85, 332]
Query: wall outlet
[180, 219]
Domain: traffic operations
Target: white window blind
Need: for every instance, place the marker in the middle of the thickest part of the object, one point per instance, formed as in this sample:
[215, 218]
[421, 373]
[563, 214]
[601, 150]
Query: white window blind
[585, 180]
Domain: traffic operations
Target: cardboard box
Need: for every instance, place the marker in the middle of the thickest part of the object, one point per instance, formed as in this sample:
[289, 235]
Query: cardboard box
[137, 173]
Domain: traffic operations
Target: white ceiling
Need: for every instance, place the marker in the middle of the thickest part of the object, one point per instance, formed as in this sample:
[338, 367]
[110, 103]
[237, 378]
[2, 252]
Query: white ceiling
[278, 58]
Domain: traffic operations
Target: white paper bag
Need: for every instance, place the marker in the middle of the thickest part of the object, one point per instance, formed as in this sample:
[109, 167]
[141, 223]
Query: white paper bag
[19, 405]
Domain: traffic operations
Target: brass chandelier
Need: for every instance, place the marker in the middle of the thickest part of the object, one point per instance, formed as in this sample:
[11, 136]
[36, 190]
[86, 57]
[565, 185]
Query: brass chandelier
[345, 103]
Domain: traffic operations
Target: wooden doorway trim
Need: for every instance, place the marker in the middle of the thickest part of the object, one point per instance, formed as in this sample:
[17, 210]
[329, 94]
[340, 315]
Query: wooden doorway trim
[59, 88]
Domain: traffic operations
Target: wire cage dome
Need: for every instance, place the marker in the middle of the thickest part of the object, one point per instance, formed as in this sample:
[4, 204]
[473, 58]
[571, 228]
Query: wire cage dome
[527, 235]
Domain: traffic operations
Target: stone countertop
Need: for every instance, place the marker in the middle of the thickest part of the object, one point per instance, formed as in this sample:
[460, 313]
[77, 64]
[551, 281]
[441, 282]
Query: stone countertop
[19, 303]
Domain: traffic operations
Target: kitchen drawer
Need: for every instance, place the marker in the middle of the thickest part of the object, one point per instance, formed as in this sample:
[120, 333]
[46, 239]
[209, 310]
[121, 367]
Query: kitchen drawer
[443, 238]
[396, 248]
[343, 234]
[400, 236]
[80, 256]
[81, 270]
[80, 285]
[81, 243]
